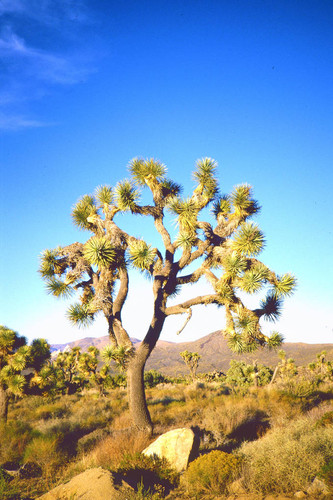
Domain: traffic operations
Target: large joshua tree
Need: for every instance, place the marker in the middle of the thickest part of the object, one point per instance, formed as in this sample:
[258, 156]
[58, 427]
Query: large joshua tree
[223, 250]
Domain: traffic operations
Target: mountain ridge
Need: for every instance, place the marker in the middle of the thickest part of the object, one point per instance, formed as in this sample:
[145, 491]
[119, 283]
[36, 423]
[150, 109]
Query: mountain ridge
[214, 351]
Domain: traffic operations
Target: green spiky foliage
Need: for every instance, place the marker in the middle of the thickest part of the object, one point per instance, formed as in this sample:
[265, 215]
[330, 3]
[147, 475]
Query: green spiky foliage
[145, 171]
[285, 285]
[187, 212]
[271, 307]
[104, 196]
[59, 288]
[275, 340]
[186, 241]
[242, 201]
[126, 195]
[50, 264]
[84, 208]
[141, 254]
[120, 355]
[223, 250]
[234, 265]
[80, 315]
[205, 176]
[15, 358]
[222, 206]
[99, 251]
[249, 240]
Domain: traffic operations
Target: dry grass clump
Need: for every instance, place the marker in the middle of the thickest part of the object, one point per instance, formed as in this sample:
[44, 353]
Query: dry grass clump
[287, 458]
[109, 452]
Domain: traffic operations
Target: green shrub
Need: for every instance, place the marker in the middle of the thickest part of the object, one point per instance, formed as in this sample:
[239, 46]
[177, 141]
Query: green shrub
[148, 473]
[44, 450]
[288, 458]
[55, 410]
[14, 437]
[326, 419]
[326, 473]
[153, 378]
[211, 474]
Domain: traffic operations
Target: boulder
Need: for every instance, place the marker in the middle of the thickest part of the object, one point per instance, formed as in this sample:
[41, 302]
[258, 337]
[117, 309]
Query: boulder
[318, 489]
[96, 484]
[178, 447]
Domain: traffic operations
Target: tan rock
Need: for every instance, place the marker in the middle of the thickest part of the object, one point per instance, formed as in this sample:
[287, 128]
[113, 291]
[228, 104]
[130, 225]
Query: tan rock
[300, 494]
[236, 488]
[93, 484]
[176, 446]
[318, 488]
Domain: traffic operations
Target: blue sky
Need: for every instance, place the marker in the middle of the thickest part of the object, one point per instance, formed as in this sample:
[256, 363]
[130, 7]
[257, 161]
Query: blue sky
[87, 85]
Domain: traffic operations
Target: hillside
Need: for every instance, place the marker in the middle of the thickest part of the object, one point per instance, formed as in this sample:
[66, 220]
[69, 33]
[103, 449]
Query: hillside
[214, 351]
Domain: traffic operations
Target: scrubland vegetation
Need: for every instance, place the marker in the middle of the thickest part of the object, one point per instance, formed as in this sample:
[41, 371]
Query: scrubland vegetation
[269, 438]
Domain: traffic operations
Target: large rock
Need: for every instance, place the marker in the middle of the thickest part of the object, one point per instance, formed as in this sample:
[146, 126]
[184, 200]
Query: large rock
[178, 447]
[93, 484]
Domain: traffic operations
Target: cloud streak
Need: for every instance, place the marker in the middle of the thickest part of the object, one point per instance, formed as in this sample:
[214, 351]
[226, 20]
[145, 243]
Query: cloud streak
[30, 70]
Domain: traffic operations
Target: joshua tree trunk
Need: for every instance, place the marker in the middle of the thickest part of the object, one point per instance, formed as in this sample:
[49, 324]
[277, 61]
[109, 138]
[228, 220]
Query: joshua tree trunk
[4, 400]
[135, 375]
[136, 392]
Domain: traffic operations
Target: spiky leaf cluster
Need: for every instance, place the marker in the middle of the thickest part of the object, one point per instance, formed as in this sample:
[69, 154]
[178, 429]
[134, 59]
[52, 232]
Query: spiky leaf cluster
[234, 265]
[275, 340]
[249, 240]
[58, 288]
[204, 175]
[141, 254]
[285, 285]
[252, 281]
[186, 240]
[222, 206]
[246, 322]
[51, 263]
[104, 195]
[99, 251]
[145, 170]
[80, 315]
[126, 195]
[224, 290]
[170, 188]
[84, 208]
[243, 203]
[271, 307]
[187, 213]
[120, 355]
[16, 384]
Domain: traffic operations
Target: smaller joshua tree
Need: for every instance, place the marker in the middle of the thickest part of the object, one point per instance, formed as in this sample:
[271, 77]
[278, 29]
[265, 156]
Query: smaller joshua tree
[191, 359]
[15, 356]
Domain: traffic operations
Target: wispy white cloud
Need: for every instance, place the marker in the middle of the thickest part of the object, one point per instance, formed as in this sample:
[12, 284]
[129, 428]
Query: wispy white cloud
[31, 69]
[19, 122]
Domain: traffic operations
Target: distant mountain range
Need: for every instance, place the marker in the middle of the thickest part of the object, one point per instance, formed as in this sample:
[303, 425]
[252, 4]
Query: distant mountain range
[214, 352]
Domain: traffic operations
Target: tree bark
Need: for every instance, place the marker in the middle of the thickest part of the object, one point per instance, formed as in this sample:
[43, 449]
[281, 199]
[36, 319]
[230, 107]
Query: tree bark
[4, 400]
[135, 375]
[136, 392]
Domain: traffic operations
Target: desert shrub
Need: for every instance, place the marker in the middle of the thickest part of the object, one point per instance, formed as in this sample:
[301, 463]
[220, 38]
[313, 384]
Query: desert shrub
[147, 473]
[109, 452]
[326, 473]
[153, 378]
[211, 474]
[233, 420]
[242, 375]
[53, 410]
[288, 458]
[44, 450]
[326, 419]
[14, 437]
